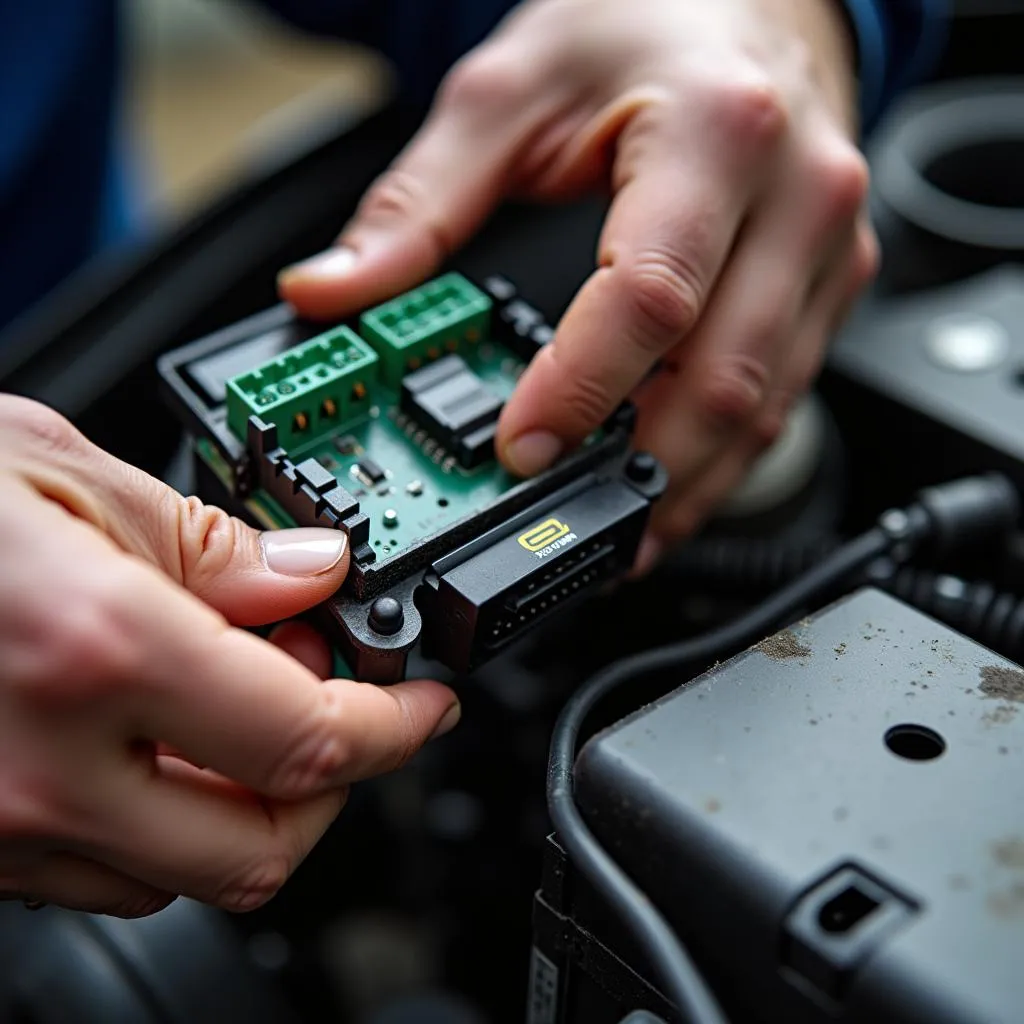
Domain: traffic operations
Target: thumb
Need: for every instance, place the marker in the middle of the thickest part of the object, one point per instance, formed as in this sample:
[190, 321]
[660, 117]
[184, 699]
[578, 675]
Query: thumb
[426, 205]
[254, 578]
[250, 577]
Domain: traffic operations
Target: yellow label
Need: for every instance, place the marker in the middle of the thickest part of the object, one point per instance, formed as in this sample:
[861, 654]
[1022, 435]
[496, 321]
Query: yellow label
[542, 535]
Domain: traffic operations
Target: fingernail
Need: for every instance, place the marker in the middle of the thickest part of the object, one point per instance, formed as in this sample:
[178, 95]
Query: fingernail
[305, 551]
[450, 720]
[533, 452]
[324, 266]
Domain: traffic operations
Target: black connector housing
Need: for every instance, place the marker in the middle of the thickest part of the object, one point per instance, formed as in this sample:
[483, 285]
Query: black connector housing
[455, 407]
[482, 597]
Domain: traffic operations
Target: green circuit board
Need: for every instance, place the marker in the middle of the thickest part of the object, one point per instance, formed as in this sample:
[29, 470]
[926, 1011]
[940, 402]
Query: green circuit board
[424, 486]
[400, 409]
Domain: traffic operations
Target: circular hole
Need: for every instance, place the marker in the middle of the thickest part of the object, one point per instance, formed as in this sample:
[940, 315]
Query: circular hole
[443, 502]
[915, 742]
[986, 172]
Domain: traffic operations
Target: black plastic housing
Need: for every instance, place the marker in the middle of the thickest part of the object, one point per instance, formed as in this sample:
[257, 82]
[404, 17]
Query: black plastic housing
[485, 595]
[432, 579]
[831, 821]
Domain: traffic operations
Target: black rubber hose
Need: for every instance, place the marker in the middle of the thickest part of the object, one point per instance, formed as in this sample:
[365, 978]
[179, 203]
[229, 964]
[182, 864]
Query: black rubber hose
[978, 610]
[746, 567]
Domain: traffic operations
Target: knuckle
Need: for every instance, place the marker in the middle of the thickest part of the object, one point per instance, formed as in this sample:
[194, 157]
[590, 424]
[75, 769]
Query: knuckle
[255, 885]
[90, 645]
[842, 178]
[665, 295]
[395, 194]
[208, 538]
[484, 79]
[751, 109]
[319, 756]
[585, 400]
[400, 196]
[43, 426]
[732, 391]
[768, 428]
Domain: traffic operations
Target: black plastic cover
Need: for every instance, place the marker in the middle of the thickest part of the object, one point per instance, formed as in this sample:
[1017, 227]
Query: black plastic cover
[832, 820]
[482, 597]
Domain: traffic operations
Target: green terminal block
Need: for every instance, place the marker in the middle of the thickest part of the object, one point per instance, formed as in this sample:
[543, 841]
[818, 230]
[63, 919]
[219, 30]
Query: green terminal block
[308, 390]
[426, 323]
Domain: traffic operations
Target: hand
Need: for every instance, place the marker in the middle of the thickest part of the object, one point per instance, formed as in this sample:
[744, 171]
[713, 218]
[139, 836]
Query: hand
[147, 746]
[735, 241]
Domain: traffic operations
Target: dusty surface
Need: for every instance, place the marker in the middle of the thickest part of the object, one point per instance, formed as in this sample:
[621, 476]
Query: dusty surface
[1009, 852]
[1002, 683]
[785, 645]
[1001, 715]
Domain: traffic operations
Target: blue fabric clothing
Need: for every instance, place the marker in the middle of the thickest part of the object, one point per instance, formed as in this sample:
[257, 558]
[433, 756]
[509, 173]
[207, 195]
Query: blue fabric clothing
[63, 187]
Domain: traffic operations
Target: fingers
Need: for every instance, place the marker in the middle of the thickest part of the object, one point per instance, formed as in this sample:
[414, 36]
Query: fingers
[66, 880]
[249, 711]
[432, 198]
[669, 232]
[249, 577]
[305, 645]
[849, 269]
[153, 662]
[729, 368]
[178, 831]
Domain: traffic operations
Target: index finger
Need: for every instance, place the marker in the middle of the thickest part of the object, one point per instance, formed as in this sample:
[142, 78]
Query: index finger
[237, 704]
[668, 234]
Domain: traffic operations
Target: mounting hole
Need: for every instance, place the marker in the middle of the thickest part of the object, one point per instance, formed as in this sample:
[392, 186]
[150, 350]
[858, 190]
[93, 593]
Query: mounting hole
[915, 742]
[846, 910]
[443, 502]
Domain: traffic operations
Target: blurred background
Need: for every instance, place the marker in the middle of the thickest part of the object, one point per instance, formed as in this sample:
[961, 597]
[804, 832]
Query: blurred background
[213, 83]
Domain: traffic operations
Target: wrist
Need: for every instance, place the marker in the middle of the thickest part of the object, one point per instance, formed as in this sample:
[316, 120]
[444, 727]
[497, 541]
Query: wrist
[831, 44]
[829, 30]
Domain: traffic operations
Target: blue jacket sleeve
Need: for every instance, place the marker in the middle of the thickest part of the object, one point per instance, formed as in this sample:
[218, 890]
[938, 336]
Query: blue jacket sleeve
[422, 37]
[898, 44]
[897, 40]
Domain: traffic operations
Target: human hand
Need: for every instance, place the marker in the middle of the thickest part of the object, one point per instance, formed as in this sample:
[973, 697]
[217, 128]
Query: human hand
[735, 242]
[147, 746]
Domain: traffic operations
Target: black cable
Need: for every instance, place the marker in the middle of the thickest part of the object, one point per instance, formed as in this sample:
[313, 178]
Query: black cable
[991, 617]
[954, 512]
[748, 567]
[741, 565]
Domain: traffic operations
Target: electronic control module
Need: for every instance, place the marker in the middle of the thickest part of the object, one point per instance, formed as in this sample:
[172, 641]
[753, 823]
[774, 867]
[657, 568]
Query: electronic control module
[384, 426]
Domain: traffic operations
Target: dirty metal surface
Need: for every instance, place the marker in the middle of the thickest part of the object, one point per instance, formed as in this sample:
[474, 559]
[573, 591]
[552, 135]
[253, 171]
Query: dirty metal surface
[733, 797]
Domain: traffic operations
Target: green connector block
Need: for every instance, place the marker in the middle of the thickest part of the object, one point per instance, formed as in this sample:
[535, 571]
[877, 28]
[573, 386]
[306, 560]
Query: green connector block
[307, 390]
[430, 321]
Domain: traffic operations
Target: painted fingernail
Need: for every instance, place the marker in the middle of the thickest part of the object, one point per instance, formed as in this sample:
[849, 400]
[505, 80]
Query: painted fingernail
[324, 266]
[533, 452]
[305, 551]
[448, 722]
